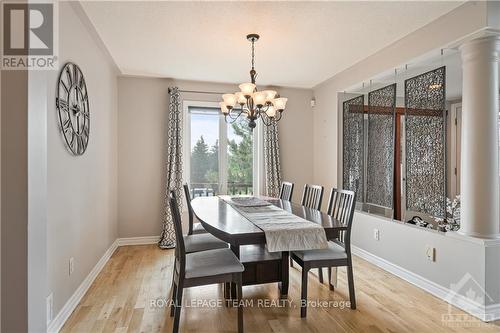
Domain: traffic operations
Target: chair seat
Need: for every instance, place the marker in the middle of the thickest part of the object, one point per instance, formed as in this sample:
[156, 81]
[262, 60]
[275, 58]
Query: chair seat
[203, 242]
[198, 229]
[212, 262]
[333, 252]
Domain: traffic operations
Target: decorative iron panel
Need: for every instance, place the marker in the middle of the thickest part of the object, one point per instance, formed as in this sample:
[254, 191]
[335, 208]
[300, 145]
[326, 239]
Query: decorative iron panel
[425, 131]
[380, 154]
[353, 142]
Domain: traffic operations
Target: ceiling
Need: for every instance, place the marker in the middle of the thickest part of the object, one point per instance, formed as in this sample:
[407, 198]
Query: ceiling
[302, 43]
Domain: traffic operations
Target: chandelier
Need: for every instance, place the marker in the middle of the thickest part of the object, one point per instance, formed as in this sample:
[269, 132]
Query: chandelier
[254, 104]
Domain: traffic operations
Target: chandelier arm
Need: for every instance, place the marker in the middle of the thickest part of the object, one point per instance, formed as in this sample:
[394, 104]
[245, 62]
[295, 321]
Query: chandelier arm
[232, 113]
[231, 120]
[266, 120]
[278, 118]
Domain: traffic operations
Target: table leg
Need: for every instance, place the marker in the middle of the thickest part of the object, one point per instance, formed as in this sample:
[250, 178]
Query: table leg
[236, 251]
[283, 285]
[333, 280]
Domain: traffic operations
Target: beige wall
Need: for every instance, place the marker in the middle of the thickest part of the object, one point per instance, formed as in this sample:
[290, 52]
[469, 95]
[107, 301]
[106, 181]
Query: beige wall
[82, 205]
[142, 130]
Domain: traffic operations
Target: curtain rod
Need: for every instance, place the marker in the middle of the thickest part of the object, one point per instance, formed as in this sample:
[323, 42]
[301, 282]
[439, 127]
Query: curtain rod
[199, 92]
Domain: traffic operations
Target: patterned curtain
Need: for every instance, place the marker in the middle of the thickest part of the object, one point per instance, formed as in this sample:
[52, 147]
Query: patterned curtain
[174, 167]
[272, 160]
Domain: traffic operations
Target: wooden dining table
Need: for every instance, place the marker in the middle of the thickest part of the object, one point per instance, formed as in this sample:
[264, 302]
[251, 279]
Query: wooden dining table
[225, 222]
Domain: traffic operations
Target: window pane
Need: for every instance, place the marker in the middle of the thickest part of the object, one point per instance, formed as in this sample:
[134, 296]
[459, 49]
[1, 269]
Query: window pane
[204, 166]
[240, 158]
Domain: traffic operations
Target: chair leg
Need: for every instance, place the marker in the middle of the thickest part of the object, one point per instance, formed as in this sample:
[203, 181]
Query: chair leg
[174, 297]
[178, 306]
[330, 284]
[239, 297]
[303, 293]
[350, 278]
[227, 293]
[320, 274]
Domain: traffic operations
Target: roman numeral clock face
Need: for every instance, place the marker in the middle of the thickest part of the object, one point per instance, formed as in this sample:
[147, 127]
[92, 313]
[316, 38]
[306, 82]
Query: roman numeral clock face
[73, 108]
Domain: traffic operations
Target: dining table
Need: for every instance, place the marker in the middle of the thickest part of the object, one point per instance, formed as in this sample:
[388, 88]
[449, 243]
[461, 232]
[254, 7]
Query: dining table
[225, 222]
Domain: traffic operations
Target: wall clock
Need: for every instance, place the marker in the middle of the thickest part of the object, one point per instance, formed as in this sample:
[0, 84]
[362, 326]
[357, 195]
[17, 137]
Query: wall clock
[72, 103]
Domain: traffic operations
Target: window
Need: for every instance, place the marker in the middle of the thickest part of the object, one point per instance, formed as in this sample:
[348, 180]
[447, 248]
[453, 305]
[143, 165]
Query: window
[219, 158]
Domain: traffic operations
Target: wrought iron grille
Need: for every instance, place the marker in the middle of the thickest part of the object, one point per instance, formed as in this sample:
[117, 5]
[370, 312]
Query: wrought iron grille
[425, 132]
[353, 137]
[380, 153]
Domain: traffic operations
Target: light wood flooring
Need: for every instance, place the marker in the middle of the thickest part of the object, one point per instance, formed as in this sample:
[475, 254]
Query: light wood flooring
[121, 297]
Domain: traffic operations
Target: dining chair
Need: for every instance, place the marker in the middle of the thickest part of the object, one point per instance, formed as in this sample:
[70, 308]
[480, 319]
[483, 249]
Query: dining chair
[200, 268]
[311, 198]
[341, 206]
[286, 191]
[199, 241]
[194, 228]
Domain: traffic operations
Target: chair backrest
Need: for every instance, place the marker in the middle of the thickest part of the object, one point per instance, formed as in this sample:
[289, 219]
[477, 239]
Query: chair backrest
[341, 206]
[180, 250]
[187, 194]
[286, 191]
[312, 196]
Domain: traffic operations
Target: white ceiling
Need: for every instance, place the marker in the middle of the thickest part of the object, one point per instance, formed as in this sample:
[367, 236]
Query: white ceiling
[302, 43]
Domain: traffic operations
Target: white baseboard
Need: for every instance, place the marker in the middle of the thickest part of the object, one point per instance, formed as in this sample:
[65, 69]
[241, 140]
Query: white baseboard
[57, 323]
[484, 313]
[138, 240]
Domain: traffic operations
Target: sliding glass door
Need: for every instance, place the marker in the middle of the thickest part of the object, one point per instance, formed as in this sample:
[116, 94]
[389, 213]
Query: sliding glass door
[219, 157]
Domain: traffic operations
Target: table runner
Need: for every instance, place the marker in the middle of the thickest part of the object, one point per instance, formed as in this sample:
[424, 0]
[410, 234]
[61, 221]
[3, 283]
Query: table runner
[284, 231]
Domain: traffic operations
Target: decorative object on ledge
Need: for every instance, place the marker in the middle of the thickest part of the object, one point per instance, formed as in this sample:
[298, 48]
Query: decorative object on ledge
[380, 154]
[254, 104]
[419, 222]
[425, 133]
[353, 145]
[452, 220]
[72, 102]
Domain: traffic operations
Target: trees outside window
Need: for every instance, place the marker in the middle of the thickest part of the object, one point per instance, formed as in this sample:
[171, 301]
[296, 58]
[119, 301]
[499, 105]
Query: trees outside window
[213, 143]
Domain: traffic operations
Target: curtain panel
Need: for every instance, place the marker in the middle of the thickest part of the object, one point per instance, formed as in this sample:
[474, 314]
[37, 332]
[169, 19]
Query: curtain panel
[173, 166]
[272, 160]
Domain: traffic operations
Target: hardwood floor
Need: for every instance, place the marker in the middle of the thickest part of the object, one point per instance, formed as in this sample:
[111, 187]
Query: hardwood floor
[131, 292]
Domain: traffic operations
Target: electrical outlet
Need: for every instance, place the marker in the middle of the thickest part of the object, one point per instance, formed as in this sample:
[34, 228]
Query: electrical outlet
[430, 252]
[49, 301]
[376, 234]
[71, 265]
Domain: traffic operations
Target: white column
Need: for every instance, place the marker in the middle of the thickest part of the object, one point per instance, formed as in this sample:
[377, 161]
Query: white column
[480, 192]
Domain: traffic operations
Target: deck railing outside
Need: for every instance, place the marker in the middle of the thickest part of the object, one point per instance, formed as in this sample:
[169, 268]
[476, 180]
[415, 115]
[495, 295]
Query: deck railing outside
[211, 189]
